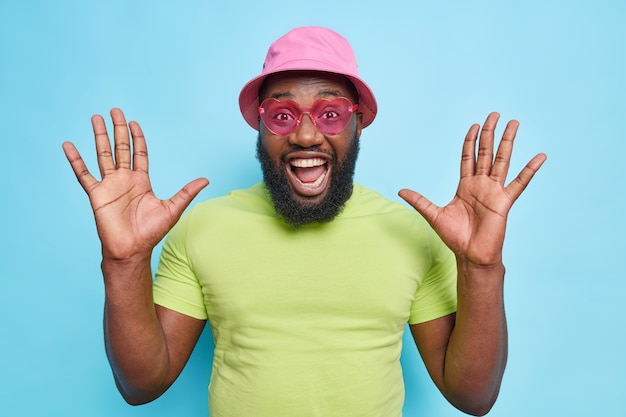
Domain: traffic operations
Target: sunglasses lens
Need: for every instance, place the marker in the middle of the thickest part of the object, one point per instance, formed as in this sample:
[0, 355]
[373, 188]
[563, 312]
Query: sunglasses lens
[280, 117]
[329, 116]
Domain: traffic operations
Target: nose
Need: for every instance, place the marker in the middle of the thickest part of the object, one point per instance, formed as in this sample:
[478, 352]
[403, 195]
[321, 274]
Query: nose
[306, 134]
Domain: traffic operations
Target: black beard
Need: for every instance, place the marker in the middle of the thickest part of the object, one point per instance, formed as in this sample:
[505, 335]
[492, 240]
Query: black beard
[297, 213]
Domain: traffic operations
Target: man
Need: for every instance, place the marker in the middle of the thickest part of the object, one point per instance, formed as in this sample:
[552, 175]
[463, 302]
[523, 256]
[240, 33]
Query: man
[307, 279]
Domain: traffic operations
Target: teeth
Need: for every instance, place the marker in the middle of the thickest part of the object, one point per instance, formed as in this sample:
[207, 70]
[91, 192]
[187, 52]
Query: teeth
[307, 163]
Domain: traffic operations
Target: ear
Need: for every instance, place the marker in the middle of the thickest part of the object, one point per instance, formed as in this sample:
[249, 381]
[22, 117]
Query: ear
[359, 124]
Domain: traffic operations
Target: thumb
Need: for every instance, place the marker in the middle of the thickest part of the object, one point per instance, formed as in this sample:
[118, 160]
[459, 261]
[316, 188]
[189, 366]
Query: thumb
[183, 197]
[420, 203]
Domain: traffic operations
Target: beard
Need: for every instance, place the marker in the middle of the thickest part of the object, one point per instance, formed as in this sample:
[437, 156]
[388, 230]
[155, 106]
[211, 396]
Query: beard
[296, 212]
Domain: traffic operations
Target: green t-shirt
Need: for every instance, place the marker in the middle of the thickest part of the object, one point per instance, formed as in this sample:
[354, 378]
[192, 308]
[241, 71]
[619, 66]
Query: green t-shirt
[307, 322]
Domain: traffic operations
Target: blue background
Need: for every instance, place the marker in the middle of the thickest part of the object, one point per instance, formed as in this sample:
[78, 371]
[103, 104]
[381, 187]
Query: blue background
[436, 67]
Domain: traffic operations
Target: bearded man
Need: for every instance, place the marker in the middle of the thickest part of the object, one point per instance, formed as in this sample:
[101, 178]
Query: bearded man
[307, 279]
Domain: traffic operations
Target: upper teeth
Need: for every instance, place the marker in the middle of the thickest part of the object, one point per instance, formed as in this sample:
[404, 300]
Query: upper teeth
[307, 163]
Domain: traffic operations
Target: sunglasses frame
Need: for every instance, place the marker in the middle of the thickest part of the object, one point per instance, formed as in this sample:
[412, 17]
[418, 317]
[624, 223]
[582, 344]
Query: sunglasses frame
[300, 112]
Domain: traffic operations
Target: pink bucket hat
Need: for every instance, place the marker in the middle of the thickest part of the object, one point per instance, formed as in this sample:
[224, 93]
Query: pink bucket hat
[309, 48]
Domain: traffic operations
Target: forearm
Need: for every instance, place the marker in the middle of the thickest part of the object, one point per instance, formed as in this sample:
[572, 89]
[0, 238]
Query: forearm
[477, 353]
[134, 339]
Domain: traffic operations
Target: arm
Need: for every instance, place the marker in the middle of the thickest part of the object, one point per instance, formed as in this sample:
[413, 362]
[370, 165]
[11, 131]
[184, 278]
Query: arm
[466, 353]
[147, 346]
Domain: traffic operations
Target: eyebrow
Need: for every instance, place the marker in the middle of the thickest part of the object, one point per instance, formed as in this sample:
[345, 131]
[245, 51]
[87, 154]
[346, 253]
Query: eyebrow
[278, 96]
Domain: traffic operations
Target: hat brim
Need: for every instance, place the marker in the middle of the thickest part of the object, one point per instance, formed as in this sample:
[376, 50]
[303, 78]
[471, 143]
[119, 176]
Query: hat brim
[249, 95]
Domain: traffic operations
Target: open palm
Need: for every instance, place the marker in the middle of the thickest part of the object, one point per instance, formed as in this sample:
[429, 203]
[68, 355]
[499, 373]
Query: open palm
[473, 224]
[130, 219]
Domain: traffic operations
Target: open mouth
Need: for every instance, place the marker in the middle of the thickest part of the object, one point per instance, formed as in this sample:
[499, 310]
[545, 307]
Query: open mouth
[309, 176]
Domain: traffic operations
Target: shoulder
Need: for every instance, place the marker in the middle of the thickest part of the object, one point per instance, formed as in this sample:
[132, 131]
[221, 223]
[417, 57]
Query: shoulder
[396, 221]
[366, 202]
[238, 207]
[253, 199]
[371, 210]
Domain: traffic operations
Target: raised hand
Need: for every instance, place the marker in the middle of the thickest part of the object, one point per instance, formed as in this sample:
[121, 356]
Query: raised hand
[130, 219]
[473, 224]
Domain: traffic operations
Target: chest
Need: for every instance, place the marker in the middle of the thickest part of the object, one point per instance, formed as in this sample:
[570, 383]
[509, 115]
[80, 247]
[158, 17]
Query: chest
[359, 277]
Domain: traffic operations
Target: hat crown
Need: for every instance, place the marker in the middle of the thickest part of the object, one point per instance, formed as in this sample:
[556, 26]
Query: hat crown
[320, 45]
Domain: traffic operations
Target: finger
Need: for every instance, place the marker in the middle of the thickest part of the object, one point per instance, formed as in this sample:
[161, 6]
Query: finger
[84, 177]
[140, 149]
[103, 145]
[501, 164]
[121, 139]
[519, 184]
[468, 156]
[485, 145]
[182, 198]
[420, 203]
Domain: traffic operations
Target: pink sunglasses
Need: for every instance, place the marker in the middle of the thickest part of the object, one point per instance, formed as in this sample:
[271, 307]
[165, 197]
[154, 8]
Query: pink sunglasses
[329, 116]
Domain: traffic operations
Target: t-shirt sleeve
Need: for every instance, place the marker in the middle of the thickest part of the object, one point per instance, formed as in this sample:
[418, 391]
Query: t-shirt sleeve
[176, 286]
[437, 295]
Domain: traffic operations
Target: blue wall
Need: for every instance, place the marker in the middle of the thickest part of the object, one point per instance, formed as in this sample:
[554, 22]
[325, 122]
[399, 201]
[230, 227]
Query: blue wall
[436, 67]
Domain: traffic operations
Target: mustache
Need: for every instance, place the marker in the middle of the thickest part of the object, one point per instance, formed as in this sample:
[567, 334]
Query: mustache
[298, 148]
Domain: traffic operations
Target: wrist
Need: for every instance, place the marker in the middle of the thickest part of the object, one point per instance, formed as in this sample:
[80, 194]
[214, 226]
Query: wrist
[480, 278]
[463, 263]
[129, 275]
